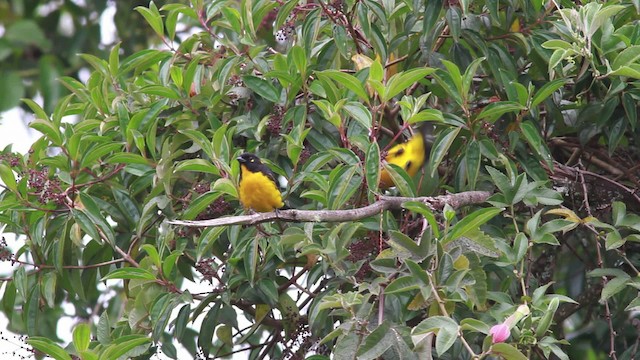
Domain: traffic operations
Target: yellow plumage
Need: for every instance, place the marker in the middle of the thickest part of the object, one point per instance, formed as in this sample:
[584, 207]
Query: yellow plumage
[409, 155]
[257, 189]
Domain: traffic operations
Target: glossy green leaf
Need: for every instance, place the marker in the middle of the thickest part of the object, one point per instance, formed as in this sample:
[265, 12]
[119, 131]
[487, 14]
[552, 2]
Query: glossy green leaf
[152, 252]
[47, 346]
[495, 110]
[153, 18]
[372, 166]
[359, 113]
[130, 273]
[123, 345]
[349, 81]
[507, 351]
[262, 87]
[546, 90]
[402, 284]
[48, 129]
[197, 165]
[401, 81]
[377, 342]
[81, 336]
[470, 222]
[8, 178]
[441, 147]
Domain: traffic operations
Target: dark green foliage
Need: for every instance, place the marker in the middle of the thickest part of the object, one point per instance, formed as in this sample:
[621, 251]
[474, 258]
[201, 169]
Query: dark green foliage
[535, 104]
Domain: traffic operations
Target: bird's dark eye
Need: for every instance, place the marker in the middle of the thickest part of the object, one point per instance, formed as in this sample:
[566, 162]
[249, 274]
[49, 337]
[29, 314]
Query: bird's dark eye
[400, 152]
[407, 166]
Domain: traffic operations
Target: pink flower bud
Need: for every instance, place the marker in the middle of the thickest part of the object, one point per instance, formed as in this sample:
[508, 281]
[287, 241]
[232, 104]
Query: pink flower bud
[500, 333]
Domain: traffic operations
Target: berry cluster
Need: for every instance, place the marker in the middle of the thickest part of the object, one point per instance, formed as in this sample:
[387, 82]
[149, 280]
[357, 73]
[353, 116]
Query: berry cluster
[46, 189]
[285, 33]
[275, 121]
[207, 267]
[363, 249]
[300, 339]
[235, 80]
[5, 252]
[305, 154]
[12, 159]
[216, 209]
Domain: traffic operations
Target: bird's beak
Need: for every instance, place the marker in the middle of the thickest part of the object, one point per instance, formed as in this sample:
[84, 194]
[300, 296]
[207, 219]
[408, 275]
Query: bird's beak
[240, 159]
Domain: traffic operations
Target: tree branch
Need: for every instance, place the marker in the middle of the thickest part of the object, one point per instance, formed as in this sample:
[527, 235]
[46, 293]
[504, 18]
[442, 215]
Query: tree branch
[385, 203]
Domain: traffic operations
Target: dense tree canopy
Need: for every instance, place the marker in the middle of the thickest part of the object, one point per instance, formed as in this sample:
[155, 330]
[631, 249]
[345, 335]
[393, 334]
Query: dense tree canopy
[517, 239]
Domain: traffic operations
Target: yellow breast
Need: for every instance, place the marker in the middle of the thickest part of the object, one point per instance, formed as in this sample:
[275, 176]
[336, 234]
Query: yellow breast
[258, 192]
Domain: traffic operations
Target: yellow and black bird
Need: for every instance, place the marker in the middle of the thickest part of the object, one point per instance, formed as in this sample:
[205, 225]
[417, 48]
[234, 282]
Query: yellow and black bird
[258, 189]
[409, 155]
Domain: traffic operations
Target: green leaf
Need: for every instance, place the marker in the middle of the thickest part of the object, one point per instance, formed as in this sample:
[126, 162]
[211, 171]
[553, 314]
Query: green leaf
[377, 342]
[169, 263]
[630, 110]
[121, 346]
[130, 273]
[81, 336]
[114, 59]
[232, 15]
[359, 113]
[401, 180]
[262, 87]
[467, 78]
[445, 328]
[198, 205]
[197, 165]
[402, 284]
[532, 135]
[347, 80]
[545, 322]
[127, 158]
[343, 186]
[441, 147]
[86, 224]
[613, 287]
[494, 110]
[8, 178]
[474, 325]
[153, 254]
[299, 57]
[507, 351]
[24, 32]
[47, 346]
[472, 161]
[546, 91]
[153, 17]
[427, 115]
[556, 44]
[470, 222]
[180, 325]
[38, 111]
[454, 74]
[372, 166]
[401, 81]
[160, 90]
[98, 151]
[50, 130]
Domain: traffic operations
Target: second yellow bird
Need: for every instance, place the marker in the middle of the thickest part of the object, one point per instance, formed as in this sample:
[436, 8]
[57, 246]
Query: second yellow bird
[409, 155]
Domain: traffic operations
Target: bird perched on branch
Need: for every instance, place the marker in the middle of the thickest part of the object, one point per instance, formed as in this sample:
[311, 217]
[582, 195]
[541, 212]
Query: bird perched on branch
[409, 155]
[258, 189]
